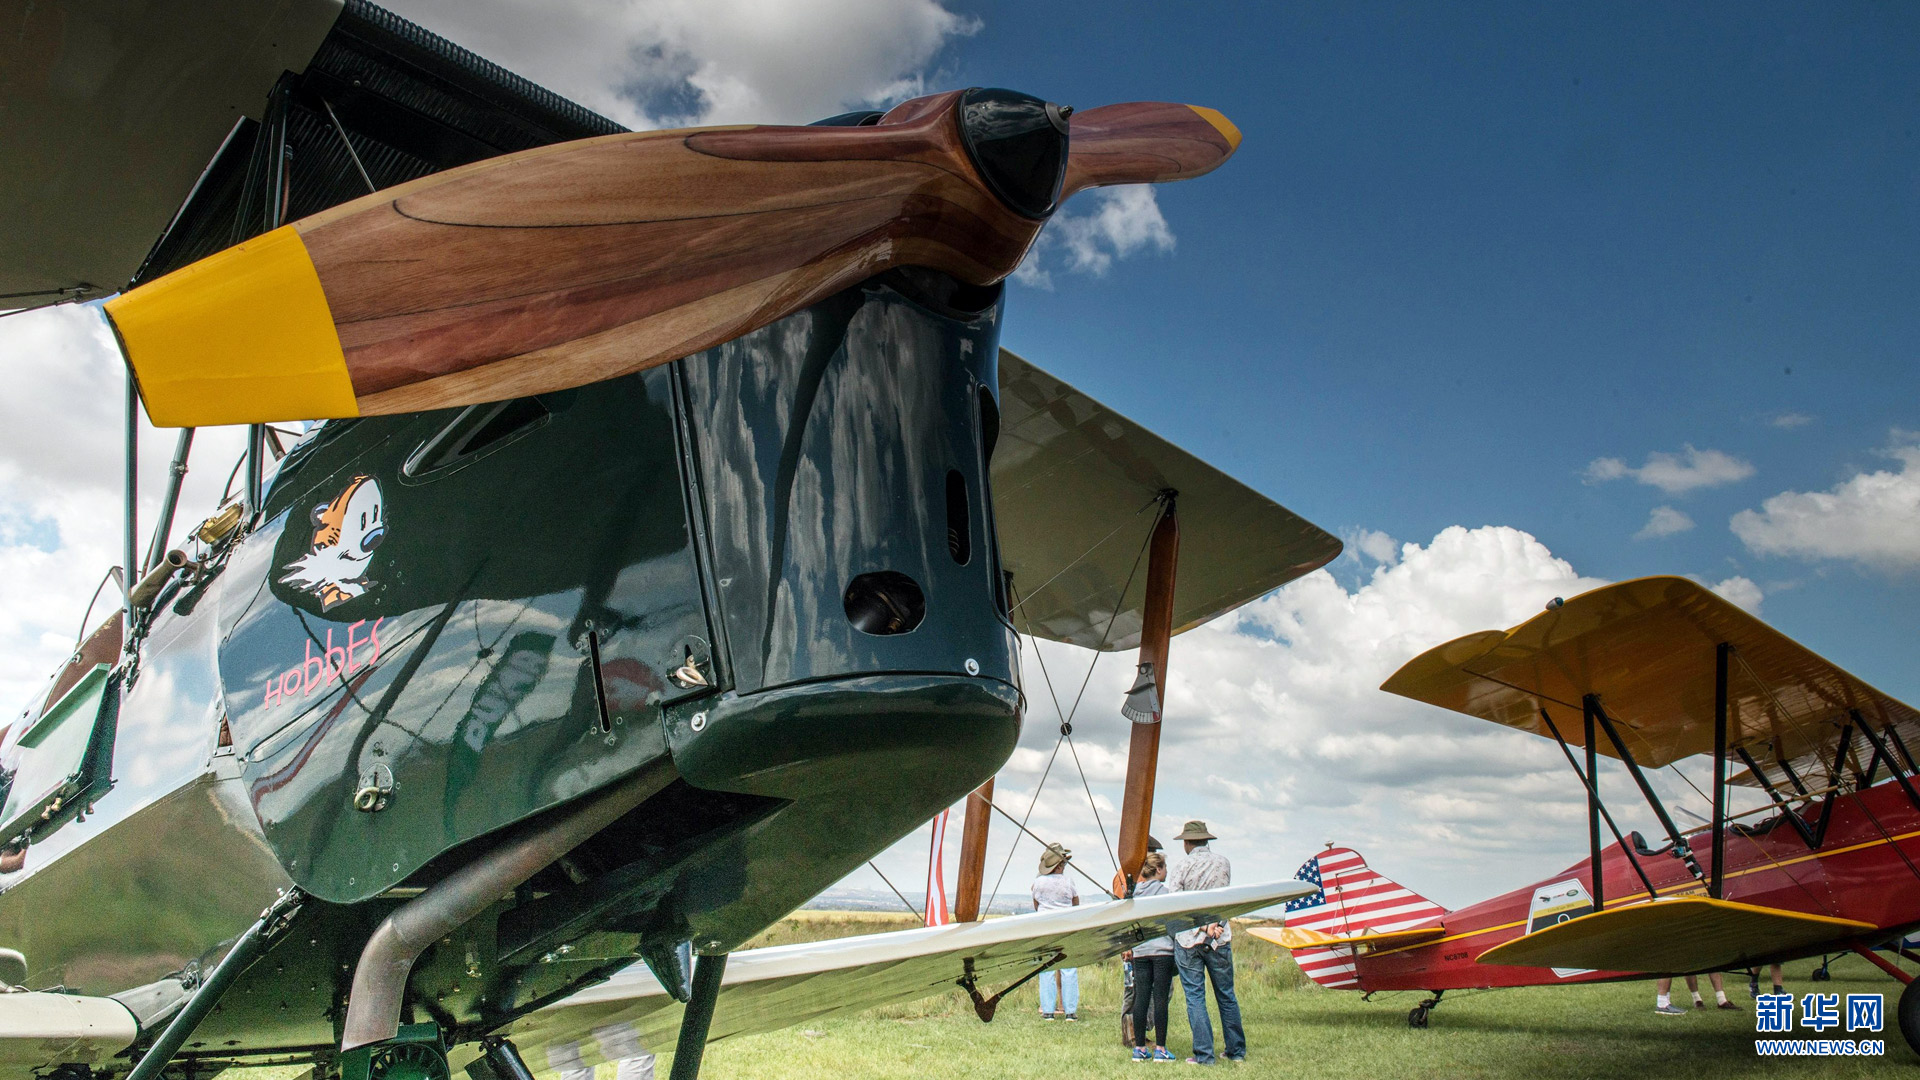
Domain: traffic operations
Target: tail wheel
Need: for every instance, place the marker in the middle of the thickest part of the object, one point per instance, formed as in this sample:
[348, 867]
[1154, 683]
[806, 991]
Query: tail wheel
[1909, 1010]
[1417, 1016]
[408, 1061]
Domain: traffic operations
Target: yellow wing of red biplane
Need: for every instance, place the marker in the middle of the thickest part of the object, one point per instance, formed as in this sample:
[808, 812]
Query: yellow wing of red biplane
[1673, 934]
[1647, 648]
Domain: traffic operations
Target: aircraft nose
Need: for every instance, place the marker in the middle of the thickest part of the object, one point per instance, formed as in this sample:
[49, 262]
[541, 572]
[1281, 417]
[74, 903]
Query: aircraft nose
[373, 538]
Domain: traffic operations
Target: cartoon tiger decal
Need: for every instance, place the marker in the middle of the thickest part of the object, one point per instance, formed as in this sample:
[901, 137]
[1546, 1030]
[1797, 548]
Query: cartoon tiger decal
[346, 530]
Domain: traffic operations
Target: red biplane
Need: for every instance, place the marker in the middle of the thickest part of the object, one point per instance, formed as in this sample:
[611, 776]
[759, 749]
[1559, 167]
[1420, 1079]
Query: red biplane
[1650, 672]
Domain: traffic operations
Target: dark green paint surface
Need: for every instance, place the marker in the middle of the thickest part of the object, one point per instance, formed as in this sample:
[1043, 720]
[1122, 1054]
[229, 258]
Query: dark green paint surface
[460, 678]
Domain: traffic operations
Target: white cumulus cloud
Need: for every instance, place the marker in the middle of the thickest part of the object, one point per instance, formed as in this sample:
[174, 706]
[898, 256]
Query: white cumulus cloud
[1675, 474]
[669, 63]
[61, 495]
[1664, 521]
[1740, 592]
[1872, 519]
[1119, 222]
[1373, 544]
[1277, 734]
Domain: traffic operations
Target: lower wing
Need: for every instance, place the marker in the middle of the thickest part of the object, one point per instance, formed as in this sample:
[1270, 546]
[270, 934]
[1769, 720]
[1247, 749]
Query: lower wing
[768, 989]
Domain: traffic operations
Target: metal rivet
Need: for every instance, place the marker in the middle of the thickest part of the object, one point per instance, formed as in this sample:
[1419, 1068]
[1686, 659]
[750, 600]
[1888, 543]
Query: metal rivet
[973, 666]
[699, 722]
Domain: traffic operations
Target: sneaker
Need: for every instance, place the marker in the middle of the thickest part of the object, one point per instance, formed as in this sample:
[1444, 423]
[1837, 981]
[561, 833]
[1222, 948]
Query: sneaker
[1163, 1054]
[1669, 1010]
[1753, 987]
[1046, 1016]
[1141, 1055]
[1197, 1061]
[1730, 1006]
[1699, 1003]
[1237, 1059]
[1072, 1017]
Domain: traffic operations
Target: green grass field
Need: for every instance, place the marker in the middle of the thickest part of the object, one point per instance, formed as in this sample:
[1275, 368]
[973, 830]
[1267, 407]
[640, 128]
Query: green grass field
[1297, 1029]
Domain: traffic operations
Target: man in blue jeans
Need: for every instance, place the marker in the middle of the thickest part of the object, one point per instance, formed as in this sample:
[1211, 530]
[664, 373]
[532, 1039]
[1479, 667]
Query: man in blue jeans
[1207, 951]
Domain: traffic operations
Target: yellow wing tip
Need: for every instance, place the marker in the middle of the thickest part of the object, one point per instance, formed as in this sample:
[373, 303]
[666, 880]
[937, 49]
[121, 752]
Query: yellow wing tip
[1224, 126]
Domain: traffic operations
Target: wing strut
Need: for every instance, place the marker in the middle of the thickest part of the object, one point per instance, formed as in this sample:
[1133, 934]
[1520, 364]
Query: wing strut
[984, 1007]
[1680, 849]
[697, 1020]
[1143, 752]
[973, 854]
[1595, 804]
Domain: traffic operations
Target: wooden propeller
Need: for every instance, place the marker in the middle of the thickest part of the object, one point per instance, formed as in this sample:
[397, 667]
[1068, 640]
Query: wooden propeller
[577, 262]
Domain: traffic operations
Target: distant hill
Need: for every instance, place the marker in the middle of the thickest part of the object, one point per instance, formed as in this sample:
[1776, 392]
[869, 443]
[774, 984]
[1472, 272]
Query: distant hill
[881, 900]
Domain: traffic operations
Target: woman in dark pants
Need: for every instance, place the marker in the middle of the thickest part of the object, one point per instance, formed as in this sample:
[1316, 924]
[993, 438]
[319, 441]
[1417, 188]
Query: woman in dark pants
[1152, 971]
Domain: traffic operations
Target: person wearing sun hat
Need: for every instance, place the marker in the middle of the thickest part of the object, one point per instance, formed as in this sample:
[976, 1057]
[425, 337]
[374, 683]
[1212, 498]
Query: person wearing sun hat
[1207, 951]
[1054, 890]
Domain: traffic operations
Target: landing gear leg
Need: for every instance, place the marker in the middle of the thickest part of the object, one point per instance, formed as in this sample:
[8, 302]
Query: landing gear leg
[1909, 1014]
[698, 1017]
[1417, 1016]
[1908, 1008]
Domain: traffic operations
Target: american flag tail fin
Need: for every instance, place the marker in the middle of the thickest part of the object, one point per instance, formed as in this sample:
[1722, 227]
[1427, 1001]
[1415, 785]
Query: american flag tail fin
[1353, 901]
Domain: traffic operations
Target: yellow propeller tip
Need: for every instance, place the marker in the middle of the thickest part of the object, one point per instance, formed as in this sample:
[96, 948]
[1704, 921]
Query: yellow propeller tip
[1221, 124]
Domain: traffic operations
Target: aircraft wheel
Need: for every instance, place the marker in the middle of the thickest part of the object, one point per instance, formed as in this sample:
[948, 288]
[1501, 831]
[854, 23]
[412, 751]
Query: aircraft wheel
[1417, 1016]
[1909, 1015]
[1821, 974]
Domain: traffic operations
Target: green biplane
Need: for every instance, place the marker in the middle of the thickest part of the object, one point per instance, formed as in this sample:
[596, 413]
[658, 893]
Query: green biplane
[594, 648]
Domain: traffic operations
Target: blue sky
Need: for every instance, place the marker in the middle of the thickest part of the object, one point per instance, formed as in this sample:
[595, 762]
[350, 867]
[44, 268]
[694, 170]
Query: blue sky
[1462, 254]
[1497, 293]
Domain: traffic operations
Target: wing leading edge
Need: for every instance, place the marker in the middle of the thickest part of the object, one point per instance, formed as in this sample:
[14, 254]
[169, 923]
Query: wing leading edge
[1675, 935]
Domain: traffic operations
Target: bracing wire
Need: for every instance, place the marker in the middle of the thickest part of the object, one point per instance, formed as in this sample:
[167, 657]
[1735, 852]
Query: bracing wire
[1066, 723]
[1090, 878]
[903, 899]
[1095, 807]
[1048, 771]
[1066, 733]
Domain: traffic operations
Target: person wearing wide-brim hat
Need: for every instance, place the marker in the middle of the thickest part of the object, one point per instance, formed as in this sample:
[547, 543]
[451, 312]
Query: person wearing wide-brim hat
[1206, 952]
[1054, 890]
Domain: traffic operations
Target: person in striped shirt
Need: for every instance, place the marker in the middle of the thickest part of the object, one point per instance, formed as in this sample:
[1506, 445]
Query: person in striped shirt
[1207, 952]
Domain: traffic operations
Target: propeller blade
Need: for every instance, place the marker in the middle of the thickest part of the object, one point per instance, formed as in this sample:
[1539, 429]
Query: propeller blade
[1146, 142]
[578, 262]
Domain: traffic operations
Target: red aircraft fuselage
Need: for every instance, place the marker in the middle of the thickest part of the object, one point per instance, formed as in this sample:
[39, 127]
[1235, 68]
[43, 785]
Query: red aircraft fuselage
[1867, 868]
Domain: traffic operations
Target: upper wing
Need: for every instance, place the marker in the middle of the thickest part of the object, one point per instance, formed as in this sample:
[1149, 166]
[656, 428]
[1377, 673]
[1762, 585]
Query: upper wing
[130, 130]
[1677, 935]
[1647, 649]
[1067, 470]
[767, 989]
[112, 112]
[39, 1030]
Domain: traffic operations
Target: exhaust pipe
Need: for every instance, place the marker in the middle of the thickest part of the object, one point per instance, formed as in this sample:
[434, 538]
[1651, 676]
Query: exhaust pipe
[156, 579]
[380, 979]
